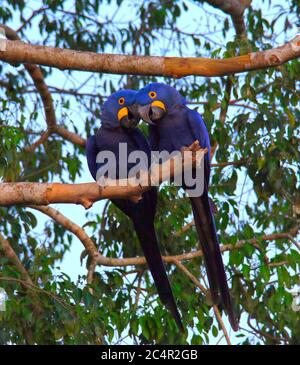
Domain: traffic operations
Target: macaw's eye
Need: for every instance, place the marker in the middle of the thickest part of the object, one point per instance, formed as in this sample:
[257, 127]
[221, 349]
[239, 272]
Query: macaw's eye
[152, 94]
[121, 101]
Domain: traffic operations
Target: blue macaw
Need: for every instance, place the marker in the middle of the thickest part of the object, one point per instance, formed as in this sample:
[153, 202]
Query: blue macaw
[174, 126]
[119, 120]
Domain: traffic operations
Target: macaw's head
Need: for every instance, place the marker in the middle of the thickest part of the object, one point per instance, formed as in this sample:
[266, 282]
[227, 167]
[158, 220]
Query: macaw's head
[120, 109]
[155, 100]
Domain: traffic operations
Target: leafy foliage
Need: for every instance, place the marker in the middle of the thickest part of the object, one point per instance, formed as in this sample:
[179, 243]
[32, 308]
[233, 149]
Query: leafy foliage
[257, 196]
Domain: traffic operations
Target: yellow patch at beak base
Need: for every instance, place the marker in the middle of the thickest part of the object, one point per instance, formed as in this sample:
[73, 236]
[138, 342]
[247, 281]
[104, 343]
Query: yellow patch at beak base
[159, 104]
[123, 112]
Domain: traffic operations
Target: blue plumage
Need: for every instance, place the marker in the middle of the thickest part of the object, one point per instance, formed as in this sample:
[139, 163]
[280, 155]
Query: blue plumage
[115, 102]
[119, 118]
[173, 126]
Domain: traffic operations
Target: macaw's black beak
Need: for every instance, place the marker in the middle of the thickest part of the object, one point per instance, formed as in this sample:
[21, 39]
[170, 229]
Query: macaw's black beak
[144, 111]
[150, 113]
[130, 118]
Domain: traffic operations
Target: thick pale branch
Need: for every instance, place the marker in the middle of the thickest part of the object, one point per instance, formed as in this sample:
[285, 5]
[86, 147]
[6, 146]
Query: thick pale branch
[25, 193]
[19, 52]
[86, 194]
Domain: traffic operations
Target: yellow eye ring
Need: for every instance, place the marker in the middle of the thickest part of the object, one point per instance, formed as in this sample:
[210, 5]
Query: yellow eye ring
[121, 101]
[152, 94]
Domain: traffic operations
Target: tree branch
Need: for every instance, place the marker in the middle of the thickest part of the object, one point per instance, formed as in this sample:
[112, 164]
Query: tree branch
[10, 254]
[102, 260]
[131, 261]
[20, 52]
[25, 193]
[69, 136]
[99, 259]
[235, 8]
[221, 323]
[26, 281]
[35, 288]
[205, 291]
[37, 77]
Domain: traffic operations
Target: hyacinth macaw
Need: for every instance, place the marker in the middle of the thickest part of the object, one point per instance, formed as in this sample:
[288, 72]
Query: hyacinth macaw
[119, 120]
[173, 126]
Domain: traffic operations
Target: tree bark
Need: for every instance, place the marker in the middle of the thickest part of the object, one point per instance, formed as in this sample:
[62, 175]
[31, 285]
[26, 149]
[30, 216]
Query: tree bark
[235, 8]
[26, 193]
[20, 52]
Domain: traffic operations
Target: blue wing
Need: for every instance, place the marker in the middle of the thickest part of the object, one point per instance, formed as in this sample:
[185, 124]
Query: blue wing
[91, 155]
[141, 213]
[143, 145]
[200, 132]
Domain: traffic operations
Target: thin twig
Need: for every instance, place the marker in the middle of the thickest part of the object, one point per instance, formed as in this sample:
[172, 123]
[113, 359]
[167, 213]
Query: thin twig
[205, 291]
